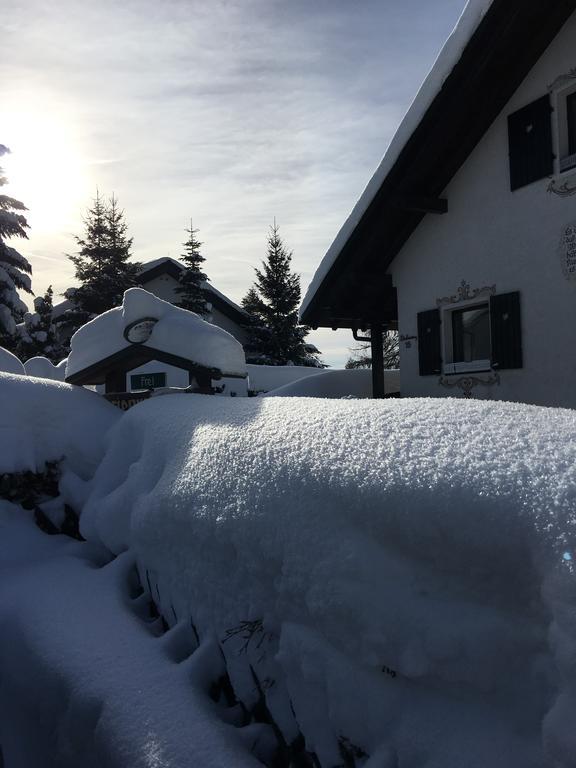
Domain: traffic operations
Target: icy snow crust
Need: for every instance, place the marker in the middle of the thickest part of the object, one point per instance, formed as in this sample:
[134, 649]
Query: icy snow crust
[177, 332]
[411, 562]
[471, 17]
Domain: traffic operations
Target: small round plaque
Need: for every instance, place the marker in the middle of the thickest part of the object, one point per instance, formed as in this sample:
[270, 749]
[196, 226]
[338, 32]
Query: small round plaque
[139, 331]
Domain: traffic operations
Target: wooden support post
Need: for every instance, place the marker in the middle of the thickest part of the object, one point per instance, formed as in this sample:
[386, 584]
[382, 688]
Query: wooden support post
[376, 341]
[115, 382]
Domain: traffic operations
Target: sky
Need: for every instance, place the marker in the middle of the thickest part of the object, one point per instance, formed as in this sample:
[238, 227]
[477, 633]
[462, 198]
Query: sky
[227, 112]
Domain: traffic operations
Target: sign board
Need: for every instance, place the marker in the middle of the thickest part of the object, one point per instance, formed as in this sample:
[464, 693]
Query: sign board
[568, 252]
[147, 380]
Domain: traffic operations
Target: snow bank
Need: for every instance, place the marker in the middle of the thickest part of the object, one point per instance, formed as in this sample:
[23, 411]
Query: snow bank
[406, 566]
[43, 368]
[449, 56]
[263, 378]
[84, 680]
[335, 384]
[9, 363]
[175, 331]
[43, 420]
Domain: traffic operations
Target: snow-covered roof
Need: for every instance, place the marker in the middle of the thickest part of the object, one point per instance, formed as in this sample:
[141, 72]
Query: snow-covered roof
[451, 52]
[157, 265]
[174, 331]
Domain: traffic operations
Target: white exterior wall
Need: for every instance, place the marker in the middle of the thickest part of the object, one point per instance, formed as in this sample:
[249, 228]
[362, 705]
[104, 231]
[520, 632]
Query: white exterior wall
[224, 322]
[489, 236]
[165, 286]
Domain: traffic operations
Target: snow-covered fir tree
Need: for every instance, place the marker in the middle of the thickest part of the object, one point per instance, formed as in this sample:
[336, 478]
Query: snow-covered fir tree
[15, 270]
[102, 264]
[275, 338]
[191, 291]
[36, 335]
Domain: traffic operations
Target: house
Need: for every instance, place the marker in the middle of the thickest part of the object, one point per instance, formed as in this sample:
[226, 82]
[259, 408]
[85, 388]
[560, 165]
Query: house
[465, 238]
[160, 277]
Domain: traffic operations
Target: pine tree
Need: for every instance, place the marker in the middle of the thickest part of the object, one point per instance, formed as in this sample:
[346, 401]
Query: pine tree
[275, 336]
[101, 265]
[192, 294]
[15, 270]
[37, 336]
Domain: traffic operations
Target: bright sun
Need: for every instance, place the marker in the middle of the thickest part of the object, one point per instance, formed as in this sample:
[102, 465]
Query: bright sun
[45, 169]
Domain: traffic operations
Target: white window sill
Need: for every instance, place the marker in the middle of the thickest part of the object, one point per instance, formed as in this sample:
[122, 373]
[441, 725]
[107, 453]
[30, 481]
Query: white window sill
[474, 366]
[566, 164]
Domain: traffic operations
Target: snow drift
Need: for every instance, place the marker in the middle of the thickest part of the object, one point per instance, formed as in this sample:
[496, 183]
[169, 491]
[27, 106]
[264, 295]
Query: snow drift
[336, 384]
[406, 566]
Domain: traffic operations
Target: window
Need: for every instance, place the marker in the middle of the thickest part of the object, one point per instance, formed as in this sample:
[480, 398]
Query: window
[473, 337]
[530, 143]
[468, 339]
[566, 110]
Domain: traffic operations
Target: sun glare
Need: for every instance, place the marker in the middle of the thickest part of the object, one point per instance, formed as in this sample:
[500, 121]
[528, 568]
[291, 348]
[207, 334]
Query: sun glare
[45, 169]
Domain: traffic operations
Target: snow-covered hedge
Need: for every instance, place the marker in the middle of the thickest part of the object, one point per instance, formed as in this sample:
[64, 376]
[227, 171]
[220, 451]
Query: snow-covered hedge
[400, 573]
[43, 421]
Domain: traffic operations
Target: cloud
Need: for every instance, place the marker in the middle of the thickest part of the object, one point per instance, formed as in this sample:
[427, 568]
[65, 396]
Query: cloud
[233, 111]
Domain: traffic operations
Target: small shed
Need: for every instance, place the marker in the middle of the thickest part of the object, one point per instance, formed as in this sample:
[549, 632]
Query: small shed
[149, 344]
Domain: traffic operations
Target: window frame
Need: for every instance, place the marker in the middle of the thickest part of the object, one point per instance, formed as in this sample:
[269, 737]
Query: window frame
[565, 160]
[449, 365]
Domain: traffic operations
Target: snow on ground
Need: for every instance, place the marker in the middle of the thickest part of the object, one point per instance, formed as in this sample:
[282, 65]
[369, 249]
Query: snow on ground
[400, 572]
[9, 363]
[263, 378]
[335, 384]
[169, 329]
[84, 680]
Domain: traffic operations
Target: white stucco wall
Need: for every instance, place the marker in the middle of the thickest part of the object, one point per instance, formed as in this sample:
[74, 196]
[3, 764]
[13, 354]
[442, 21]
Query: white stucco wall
[491, 235]
[165, 286]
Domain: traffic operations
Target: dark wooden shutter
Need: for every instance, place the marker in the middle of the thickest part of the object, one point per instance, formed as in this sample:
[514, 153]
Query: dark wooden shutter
[530, 143]
[430, 355]
[505, 330]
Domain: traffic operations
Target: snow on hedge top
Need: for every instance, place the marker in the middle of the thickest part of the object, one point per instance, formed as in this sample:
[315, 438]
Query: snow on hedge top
[9, 363]
[433, 538]
[43, 368]
[42, 420]
[177, 332]
[471, 17]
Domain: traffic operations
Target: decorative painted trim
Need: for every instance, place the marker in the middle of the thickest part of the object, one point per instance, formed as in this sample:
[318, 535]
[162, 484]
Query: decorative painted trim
[407, 340]
[567, 251]
[563, 80]
[564, 189]
[465, 293]
[468, 383]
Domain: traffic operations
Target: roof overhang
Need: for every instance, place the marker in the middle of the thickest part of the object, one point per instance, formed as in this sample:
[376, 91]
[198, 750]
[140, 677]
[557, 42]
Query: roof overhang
[132, 357]
[508, 41]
